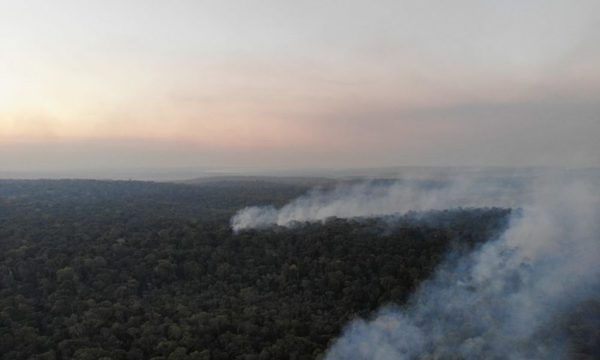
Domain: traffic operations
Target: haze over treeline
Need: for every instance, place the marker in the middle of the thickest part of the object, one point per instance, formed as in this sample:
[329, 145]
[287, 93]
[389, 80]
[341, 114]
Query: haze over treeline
[107, 86]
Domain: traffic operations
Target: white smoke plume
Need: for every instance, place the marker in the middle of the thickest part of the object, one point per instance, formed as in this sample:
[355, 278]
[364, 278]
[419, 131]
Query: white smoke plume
[376, 198]
[502, 301]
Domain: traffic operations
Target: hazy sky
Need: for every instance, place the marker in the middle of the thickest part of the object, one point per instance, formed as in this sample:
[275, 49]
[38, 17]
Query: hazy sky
[289, 84]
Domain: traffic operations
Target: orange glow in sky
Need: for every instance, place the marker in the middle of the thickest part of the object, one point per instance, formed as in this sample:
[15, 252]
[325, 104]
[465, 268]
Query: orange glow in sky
[400, 83]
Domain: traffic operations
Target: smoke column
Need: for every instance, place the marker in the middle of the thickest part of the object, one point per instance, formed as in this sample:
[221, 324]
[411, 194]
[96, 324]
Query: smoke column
[376, 198]
[504, 300]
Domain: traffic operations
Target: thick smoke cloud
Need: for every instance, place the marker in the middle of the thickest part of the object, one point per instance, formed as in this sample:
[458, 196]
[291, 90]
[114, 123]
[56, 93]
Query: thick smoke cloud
[506, 299]
[376, 198]
[503, 301]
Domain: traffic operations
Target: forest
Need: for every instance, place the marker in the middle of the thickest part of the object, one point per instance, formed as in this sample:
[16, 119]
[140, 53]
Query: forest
[129, 270]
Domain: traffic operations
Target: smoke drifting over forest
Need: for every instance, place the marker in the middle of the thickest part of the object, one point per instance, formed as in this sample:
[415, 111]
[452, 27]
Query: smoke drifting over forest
[383, 197]
[504, 300]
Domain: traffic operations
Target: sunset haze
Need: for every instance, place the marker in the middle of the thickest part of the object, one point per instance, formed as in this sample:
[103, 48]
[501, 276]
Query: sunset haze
[283, 84]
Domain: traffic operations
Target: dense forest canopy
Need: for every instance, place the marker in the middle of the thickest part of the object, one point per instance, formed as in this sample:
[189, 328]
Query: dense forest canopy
[141, 270]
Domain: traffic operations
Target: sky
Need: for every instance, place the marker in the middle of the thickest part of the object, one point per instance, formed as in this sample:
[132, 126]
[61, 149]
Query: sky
[298, 84]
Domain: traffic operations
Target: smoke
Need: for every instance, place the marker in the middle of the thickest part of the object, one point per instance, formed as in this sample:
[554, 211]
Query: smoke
[376, 198]
[505, 299]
